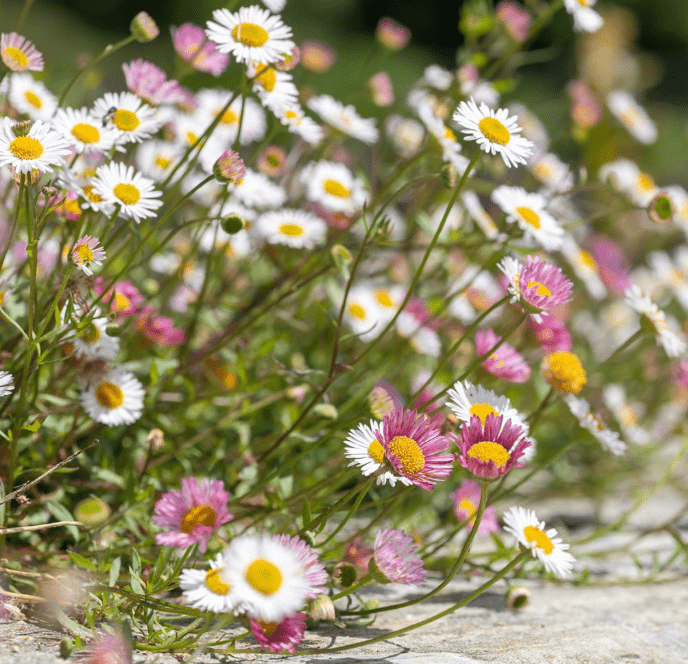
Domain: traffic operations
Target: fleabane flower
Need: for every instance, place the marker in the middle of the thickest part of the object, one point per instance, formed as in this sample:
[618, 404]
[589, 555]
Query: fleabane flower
[39, 149]
[334, 186]
[280, 636]
[531, 533]
[467, 400]
[131, 119]
[495, 131]
[313, 569]
[121, 185]
[87, 253]
[362, 446]
[84, 131]
[505, 362]
[31, 97]
[251, 34]
[268, 577]
[492, 449]
[297, 122]
[564, 372]
[536, 286]
[297, 229]
[528, 211]
[94, 343]
[632, 116]
[6, 383]
[609, 439]
[192, 514]
[19, 54]
[191, 44]
[149, 82]
[466, 500]
[344, 118]
[414, 446]
[395, 557]
[209, 590]
[116, 398]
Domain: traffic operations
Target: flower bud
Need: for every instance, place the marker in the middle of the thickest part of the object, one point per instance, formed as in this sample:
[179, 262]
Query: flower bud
[326, 410]
[391, 34]
[143, 27]
[232, 224]
[517, 597]
[92, 512]
[22, 128]
[344, 575]
[229, 167]
[448, 176]
[321, 608]
[661, 209]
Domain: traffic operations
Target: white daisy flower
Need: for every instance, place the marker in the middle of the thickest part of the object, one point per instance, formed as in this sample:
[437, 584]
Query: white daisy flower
[437, 77]
[362, 313]
[208, 591]
[297, 229]
[83, 130]
[253, 124]
[344, 118]
[93, 343]
[388, 299]
[584, 266]
[155, 159]
[585, 18]
[6, 383]
[257, 190]
[609, 439]
[294, 119]
[31, 97]
[251, 35]
[40, 149]
[275, 88]
[495, 131]
[552, 172]
[266, 577]
[117, 398]
[467, 400]
[669, 339]
[445, 137]
[131, 119]
[627, 178]
[120, 185]
[406, 134]
[673, 273]
[86, 253]
[362, 446]
[632, 116]
[424, 340]
[334, 187]
[627, 415]
[545, 545]
[528, 211]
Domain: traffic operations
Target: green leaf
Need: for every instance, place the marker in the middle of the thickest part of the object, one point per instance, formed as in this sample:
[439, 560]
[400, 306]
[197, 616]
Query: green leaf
[82, 562]
[306, 513]
[61, 513]
[114, 571]
[136, 583]
[135, 562]
[153, 373]
[34, 426]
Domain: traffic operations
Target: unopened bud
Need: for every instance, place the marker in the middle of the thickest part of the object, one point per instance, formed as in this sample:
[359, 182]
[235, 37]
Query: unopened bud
[143, 27]
[448, 176]
[344, 575]
[49, 191]
[67, 646]
[517, 597]
[92, 512]
[232, 224]
[321, 608]
[113, 330]
[229, 167]
[156, 439]
[381, 402]
[22, 128]
[370, 604]
[391, 34]
[661, 209]
[326, 410]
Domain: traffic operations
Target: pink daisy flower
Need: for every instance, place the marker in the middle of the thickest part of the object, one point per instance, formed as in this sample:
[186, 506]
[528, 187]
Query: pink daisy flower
[192, 514]
[124, 297]
[466, 501]
[358, 555]
[505, 362]
[396, 558]
[679, 372]
[150, 83]
[612, 264]
[19, 54]
[86, 253]
[551, 334]
[109, 648]
[192, 45]
[491, 450]
[159, 329]
[313, 569]
[536, 286]
[277, 637]
[413, 446]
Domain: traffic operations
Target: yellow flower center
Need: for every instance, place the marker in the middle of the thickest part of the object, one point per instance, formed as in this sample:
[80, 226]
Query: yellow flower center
[357, 311]
[264, 576]
[335, 188]
[191, 138]
[125, 120]
[376, 452]
[91, 195]
[70, 206]
[587, 260]
[583, 3]
[494, 131]
[529, 216]
[25, 147]
[267, 77]
[122, 302]
[541, 288]
[214, 582]
[84, 254]
[468, 506]
[292, 230]
[127, 193]
[91, 334]
[409, 454]
[487, 450]
[109, 395]
[33, 99]
[534, 534]
[384, 298]
[229, 117]
[564, 372]
[250, 34]
[162, 162]
[482, 410]
[269, 628]
[291, 115]
[645, 182]
[15, 56]
[85, 133]
[449, 135]
[200, 515]
[543, 171]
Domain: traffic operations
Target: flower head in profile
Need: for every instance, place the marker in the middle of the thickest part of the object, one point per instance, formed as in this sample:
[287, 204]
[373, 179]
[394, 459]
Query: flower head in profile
[505, 362]
[6, 383]
[591, 421]
[466, 500]
[191, 514]
[632, 116]
[551, 334]
[545, 545]
[19, 54]
[492, 449]
[396, 558]
[414, 446]
[495, 131]
[344, 118]
[87, 253]
[280, 636]
[149, 82]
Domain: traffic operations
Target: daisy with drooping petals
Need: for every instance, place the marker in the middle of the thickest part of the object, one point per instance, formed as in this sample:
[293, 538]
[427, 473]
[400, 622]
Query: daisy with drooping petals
[268, 577]
[315, 573]
[86, 254]
[208, 591]
[609, 439]
[537, 285]
[280, 636]
[466, 500]
[19, 54]
[564, 372]
[495, 131]
[6, 383]
[552, 172]
[528, 211]
[632, 116]
[414, 446]
[251, 34]
[334, 186]
[149, 82]
[545, 545]
[275, 88]
[585, 18]
[192, 514]
[395, 557]
[117, 398]
[466, 400]
[491, 450]
[31, 97]
[362, 313]
[362, 446]
[626, 177]
[132, 120]
[39, 149]
[294, 119]
[83, 130]
[445, 137]
[344, 118]
[505, 362]
[119, 184]
[297, 229]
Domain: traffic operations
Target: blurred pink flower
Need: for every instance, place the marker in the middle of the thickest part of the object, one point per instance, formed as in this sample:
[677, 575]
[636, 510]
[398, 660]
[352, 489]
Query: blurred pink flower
[505, 362]
[150, 83]
[192, 45]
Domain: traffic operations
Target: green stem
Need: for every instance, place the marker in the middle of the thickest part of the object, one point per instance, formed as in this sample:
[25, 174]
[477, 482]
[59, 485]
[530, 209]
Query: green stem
[353, 588]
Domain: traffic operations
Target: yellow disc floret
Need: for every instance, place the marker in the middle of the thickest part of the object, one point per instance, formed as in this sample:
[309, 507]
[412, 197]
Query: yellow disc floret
[482, 410]
[292, 230]
[250, 34]
[487, 450]
[200, 515]
[334, 188]
[109, 395]
[529, 216]
[376, 452]
[264, 576]
[409, 454]
[127, 193]
[214, 582]
[25, 147]
[125, 120]
[564, 372]
[494, 131]
[85, 133]
[534, 534]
